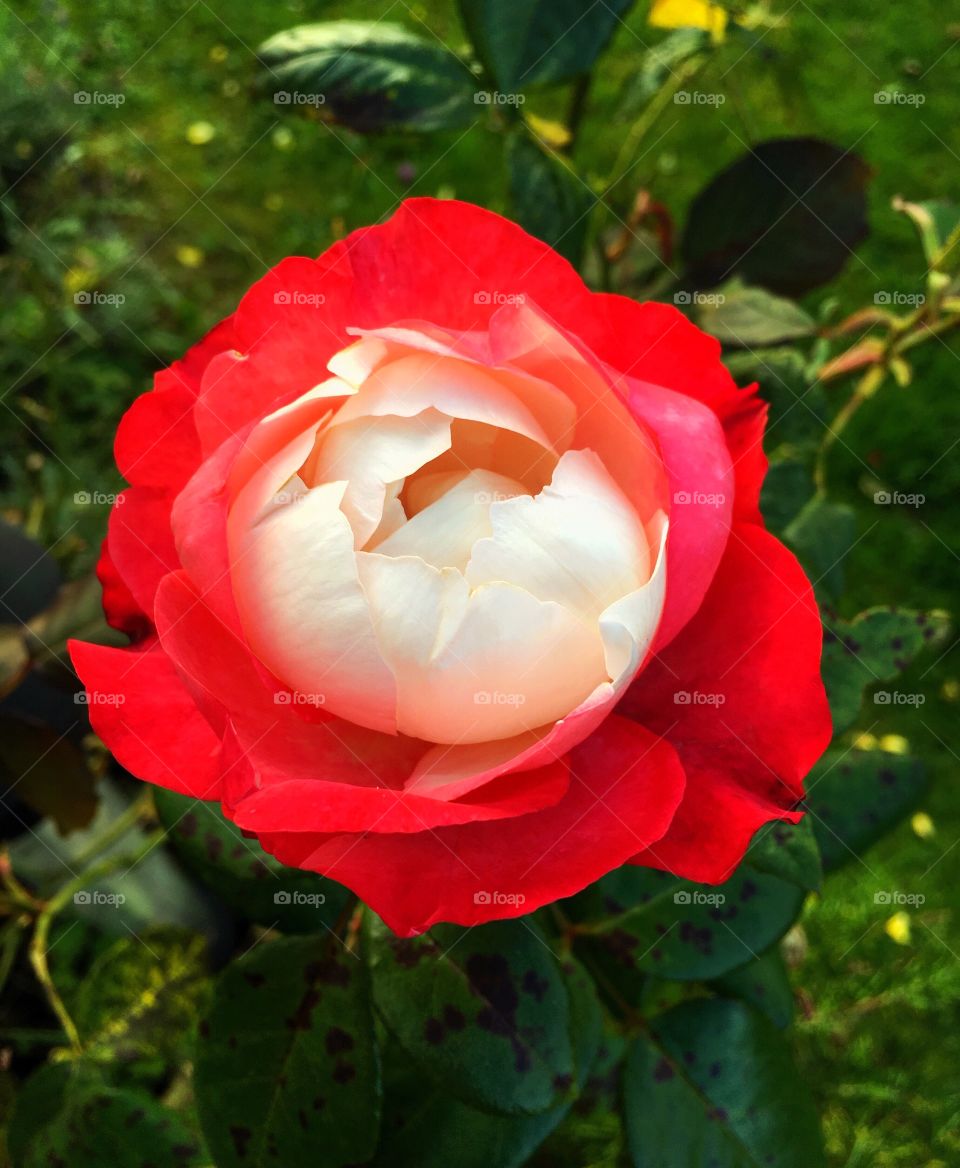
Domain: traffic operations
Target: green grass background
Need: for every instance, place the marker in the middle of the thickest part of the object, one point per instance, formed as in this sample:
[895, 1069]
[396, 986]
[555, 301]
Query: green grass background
[119, 200]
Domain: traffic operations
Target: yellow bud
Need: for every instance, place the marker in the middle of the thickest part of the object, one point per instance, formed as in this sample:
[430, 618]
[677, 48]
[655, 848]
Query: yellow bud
[189, 256]
[897, 928]
[922, 825]
[200, 133]
[865, 742]
[894, 744]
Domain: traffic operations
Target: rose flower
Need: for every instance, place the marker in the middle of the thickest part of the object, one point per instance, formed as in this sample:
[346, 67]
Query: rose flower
[446, 576]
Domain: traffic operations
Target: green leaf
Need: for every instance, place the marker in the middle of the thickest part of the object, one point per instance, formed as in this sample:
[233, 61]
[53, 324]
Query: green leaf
[286, 1063]
[642, 920]
[752, 318]
[483, 1011]
[785, 216]
[763, 984]
[787, 489]
[857, 796]
[714, 1083]
[532, 42]
[875, 646]
[139, 1004]
[369, 76]
[788, 850]
[683, 48]
[29, 576]
[549, 200]
[430, 1129]
[246, 877]
[822, 535]
[938, 222]
[798, 404]
[67, 1115]
[48, 772]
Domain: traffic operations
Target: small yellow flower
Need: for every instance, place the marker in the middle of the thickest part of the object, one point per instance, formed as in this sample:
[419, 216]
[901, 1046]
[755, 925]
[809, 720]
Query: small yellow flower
[950, 689]
[712, 18]
[282, 138]
[897, 928]
[922, 825]
[219, 53]
[894, 744]
[189, 256]
[200, 133]
[865, 742]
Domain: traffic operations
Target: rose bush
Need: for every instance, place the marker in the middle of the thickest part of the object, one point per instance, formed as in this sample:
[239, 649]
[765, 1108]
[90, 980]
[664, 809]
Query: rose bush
[446, 576]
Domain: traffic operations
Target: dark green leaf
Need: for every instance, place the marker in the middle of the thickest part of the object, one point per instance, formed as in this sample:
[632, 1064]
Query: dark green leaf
[764, 984]
[822, 535]
[29, 576]
[369, 75]
[875, 646]
[242, 873]
[286, 1064]
[788, 850]
[681, 49]
[430, 1129]
[139, 1004]
[798, 405]
[67, 1115]
[856, 796]
[548, 198]
[714, 1084]
[48, 772]
[787, 489]
[750, 318]
[483, 1011]
[786, 216]
[643, 920]
[530, 42]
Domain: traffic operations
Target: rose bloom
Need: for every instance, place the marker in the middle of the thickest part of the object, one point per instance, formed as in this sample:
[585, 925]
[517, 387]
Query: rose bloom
[446, 577]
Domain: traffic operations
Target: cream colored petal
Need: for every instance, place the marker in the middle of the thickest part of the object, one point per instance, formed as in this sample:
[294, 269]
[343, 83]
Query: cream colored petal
[579, 542]
[476, 666]
[369, 453]
[416, 381]
[628, 626]
[445, 531]
[303, 610]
